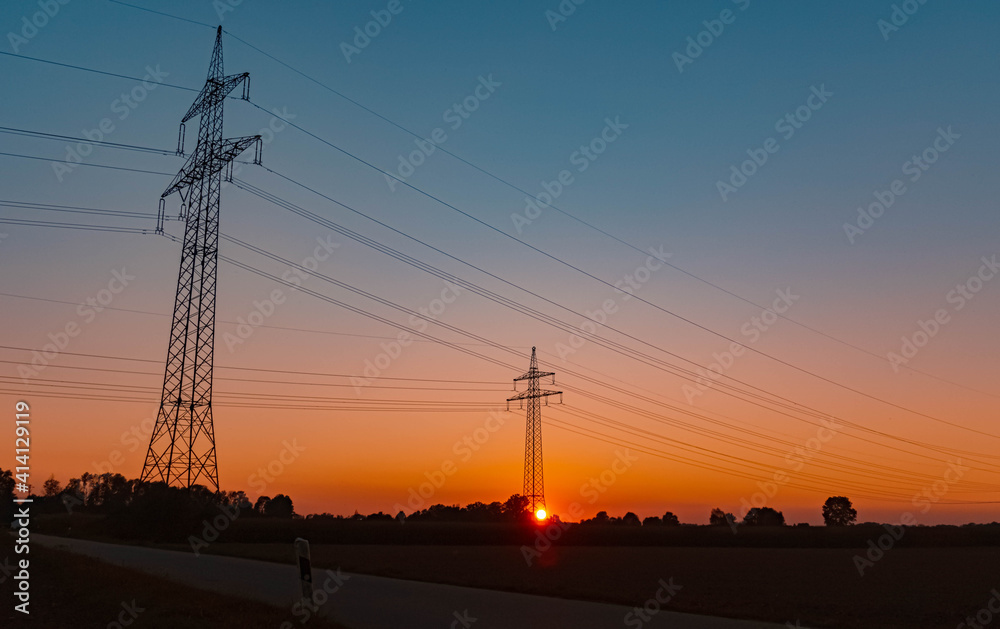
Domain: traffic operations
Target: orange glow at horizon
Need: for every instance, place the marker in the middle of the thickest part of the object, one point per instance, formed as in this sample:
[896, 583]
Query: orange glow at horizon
[693, 449]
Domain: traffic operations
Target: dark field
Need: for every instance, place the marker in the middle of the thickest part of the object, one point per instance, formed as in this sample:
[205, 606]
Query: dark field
[931, 577]
[264, 530]
[908, 588]
[70, 591]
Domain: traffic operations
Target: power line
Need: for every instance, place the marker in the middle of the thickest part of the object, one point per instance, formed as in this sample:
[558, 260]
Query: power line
[909, 441]
[686, 426]
[641, 357]
[911, 369]
[98, 386]
[594, 338]
[673, 266]
[259, 369]
[228, 321]
[618, 404]
[117, 145]
[77, 226]
[404, 182]
[90, 164]
[552, 205]
[589, 225]
[294, 383]
[93, 71]
[767, 477]
[176, 17]
[74, 209]
[258, 405]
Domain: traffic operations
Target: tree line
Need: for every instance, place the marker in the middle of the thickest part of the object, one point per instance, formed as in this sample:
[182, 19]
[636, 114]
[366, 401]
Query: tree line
[140, 502]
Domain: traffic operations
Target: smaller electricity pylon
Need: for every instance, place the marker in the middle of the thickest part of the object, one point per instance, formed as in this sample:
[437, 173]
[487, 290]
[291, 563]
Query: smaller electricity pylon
[534, 481]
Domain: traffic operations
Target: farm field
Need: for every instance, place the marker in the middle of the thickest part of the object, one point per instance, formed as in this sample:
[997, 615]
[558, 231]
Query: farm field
[69, 590]
[818, 587]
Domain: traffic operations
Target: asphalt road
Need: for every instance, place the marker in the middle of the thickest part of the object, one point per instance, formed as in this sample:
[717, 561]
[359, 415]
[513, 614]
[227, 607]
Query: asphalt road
[367, 602]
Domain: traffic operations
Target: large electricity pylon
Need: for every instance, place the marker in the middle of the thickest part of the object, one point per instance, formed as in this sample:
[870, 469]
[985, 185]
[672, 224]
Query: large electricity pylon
[534, 480]
[182, 448]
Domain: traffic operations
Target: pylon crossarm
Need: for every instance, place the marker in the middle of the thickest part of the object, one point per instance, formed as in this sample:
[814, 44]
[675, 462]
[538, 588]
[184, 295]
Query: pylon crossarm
[535, 374]
[531, 394]
[212, 92]
[196, 168]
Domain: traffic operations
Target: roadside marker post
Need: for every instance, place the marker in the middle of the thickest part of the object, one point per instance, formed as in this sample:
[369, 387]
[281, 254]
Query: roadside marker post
[305, 567]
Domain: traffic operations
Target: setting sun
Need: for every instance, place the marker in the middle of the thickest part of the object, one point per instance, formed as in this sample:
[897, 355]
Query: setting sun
[540, 514]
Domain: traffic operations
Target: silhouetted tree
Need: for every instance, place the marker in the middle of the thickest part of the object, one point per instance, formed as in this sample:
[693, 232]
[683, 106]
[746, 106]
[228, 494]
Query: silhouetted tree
[280, 507]
[6, 496]
[260, 506]
[86, 480]
[651, 521]
[669, 519]
[631, 519]
[240, 500]
[764, 516]
[52, 487]
[516, 508]
[719, 517]
[838, 511]
[495, 511]
[110, 492]
[159, 512]
[601, 518]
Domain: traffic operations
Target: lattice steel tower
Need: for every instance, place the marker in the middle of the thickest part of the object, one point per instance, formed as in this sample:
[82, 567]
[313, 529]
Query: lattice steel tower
[534, 481]
[182, 448]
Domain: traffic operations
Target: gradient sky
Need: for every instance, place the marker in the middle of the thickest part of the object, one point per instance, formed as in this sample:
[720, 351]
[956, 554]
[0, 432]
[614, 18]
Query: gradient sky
[655, 186]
